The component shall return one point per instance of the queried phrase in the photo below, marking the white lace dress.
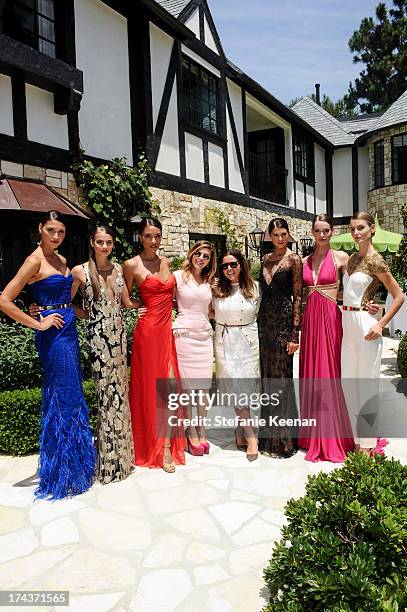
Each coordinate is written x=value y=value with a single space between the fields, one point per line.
x=236 y=337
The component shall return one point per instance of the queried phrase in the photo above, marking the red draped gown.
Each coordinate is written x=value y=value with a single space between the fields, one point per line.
x=154 y=359
x=320 y=371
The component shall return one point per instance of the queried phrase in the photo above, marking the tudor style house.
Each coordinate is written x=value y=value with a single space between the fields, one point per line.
x=111 y=76
x=369 y=160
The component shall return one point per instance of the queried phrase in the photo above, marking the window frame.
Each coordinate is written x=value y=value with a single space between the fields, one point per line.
x=378 y=163
x=401 y=179
x=186 y=107
x=23 y=34
x=306 y=168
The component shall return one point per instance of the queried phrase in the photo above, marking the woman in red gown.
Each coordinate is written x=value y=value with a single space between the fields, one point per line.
x=156 y=444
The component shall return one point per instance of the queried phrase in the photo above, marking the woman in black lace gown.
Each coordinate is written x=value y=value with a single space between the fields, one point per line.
x=279 y=323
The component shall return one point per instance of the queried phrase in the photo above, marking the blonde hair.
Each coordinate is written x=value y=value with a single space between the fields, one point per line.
x=364 y=216
x=209 y=271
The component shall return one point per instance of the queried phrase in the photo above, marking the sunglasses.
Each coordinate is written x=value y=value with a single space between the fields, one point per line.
x=204 y=256
x=232 y=264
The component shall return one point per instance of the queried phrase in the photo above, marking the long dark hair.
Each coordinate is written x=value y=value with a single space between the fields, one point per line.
x=93 y=272
x=278 y=222
x=150 y=221
x=223 y=287
x=53 y=215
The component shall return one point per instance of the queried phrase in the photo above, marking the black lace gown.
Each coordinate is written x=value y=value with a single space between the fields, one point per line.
x=279 y=323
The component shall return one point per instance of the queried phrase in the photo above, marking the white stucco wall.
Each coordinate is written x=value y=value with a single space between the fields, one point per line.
x=6 y=106
x=168 y=157
x=102 y=55
x=43 y=125
x=342 y=182
x=193 y=22
x=160 y=52
x=209 y=39
x=320 y=180
x=310 y=203
x=216 y=165
x=235 y=95
x=363 y=176
x=194 y=158
x=299 y=195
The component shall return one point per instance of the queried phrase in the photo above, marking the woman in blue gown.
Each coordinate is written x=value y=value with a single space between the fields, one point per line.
x=67 y=454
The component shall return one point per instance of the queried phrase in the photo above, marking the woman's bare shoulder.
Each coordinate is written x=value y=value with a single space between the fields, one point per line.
x=133 y=262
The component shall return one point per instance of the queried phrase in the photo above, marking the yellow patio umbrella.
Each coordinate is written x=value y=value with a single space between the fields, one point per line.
x=383 y=241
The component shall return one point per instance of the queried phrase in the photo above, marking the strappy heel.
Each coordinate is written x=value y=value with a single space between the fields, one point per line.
x=168 y=467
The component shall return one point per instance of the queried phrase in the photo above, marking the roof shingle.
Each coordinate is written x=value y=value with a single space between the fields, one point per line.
x=175 y=7
x=360 y=124
x=323 y=122
x=397 y=113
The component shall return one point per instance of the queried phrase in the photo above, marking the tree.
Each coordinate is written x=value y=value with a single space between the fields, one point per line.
x=381 y=45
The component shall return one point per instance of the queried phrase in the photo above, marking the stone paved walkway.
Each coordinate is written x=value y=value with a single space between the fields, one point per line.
x=195 y=541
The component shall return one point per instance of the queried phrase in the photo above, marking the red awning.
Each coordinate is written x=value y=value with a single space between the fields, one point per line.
x=20 y=194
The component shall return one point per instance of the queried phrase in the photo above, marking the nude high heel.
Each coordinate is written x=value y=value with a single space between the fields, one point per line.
x=168 y=467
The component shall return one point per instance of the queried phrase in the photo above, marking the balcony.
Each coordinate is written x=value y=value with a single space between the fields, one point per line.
x=267 y=181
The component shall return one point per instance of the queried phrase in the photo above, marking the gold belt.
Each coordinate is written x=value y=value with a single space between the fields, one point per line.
x=322 y=289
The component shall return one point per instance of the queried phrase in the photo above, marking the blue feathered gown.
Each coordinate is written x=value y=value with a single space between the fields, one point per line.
x=67 y=454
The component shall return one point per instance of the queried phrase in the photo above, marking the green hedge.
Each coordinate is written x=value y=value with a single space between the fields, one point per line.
x=20 y=415
x=402 y=357
x=20 y=367
x=345 y=546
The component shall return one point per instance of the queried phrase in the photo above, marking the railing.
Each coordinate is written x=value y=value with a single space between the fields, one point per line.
x=267 y=181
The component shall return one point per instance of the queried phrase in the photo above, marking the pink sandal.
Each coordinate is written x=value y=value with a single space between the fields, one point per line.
x=379 y=448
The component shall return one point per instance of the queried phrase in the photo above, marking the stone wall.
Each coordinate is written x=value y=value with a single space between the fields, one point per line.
x=61 y=182
x=182 y=214
x=386 y=201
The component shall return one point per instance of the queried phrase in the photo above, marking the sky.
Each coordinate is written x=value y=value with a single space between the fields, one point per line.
x=288 y=45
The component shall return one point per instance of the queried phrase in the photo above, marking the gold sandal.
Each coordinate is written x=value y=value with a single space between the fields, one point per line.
x=168 y=467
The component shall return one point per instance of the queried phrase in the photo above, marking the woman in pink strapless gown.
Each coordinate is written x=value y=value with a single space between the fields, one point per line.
x=320 y=354
x=193 y=334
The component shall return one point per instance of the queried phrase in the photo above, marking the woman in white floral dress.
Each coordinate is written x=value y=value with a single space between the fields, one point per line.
x=236 y=304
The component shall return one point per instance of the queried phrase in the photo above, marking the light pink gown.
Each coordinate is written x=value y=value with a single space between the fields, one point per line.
x=320 y=371
x=193 y=333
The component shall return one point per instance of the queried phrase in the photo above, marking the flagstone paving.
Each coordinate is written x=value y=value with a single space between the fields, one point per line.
x=192 y=541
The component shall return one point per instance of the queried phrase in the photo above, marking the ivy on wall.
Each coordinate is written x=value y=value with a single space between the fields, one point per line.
x=115 y=192
x=218 y=217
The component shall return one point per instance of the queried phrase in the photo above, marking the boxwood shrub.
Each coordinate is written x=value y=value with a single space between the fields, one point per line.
x=345 y=546
x=402 y=357
x=20 y=415
x=20 y=367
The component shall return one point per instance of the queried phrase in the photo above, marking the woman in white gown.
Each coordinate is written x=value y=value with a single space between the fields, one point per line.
x=362 y=341
x=236 y=304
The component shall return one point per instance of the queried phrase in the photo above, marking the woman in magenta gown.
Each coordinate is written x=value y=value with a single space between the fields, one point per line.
x=320 y=352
